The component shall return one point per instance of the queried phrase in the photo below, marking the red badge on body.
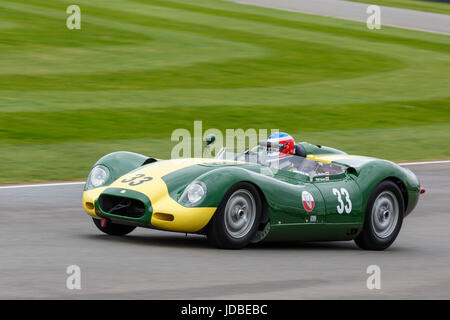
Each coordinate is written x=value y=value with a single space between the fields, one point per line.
x=307 y=201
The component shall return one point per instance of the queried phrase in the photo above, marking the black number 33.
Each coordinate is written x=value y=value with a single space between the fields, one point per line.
x=137 y=179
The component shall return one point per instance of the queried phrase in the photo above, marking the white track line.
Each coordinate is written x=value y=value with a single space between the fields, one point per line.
x=82 y=182
x=423 y=162
x=43 y=185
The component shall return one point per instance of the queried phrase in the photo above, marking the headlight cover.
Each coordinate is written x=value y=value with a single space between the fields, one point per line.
x=99 y=176
x=194 y=193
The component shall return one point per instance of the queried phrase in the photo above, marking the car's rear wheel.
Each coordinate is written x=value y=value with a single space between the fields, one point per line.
x=383 y=219
x=113 y=229
x=236 y=220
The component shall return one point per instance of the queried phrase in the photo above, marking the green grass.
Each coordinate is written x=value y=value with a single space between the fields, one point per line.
x=421 y=5
x=137 y=70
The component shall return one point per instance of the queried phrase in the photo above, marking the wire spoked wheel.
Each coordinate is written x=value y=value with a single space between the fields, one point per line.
x=236 y=220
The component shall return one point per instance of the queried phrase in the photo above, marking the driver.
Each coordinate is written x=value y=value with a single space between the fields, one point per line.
x=287 y=145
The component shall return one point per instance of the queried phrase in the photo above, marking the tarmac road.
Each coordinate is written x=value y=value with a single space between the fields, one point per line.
x=44 y=230
x=403 y=18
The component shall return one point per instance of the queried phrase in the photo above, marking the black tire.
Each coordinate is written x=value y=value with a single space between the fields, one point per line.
x=372 y=237
x=113 y=229
x=220 y=232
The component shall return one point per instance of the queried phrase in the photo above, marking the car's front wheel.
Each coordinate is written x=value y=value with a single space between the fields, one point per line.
x=236 y=220
x=383 y=219
x=113 y=229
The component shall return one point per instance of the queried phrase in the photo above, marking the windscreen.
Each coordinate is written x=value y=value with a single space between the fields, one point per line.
x=292 y=163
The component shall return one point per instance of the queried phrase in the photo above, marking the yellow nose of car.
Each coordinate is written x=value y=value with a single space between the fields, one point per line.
x=165 y=212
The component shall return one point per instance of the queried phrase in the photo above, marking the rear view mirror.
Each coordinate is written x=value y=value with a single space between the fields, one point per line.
x=210 y=138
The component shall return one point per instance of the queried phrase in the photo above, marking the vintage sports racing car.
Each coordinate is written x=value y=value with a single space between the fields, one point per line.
x=315 y=193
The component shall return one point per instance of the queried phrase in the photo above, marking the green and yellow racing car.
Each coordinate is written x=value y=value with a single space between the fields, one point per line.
x=305 y=193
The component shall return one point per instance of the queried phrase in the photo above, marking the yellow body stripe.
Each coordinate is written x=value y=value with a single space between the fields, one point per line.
x=329 y=158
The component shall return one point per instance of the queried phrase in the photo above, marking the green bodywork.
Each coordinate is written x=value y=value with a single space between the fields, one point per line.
x=281 y=191
x=120 y=163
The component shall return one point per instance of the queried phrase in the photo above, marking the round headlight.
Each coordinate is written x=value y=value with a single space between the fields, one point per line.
x=195 y=192
x=98 y=176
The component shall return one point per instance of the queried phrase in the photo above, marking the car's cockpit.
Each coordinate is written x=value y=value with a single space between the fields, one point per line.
x=269 y=156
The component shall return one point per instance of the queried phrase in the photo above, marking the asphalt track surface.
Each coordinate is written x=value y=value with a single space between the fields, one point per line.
x=44 y=230
x=403 y=18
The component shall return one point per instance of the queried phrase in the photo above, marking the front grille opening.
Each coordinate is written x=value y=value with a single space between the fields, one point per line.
x=121 y=206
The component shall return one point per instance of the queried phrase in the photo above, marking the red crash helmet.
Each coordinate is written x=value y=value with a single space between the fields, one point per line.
x=286 y=141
